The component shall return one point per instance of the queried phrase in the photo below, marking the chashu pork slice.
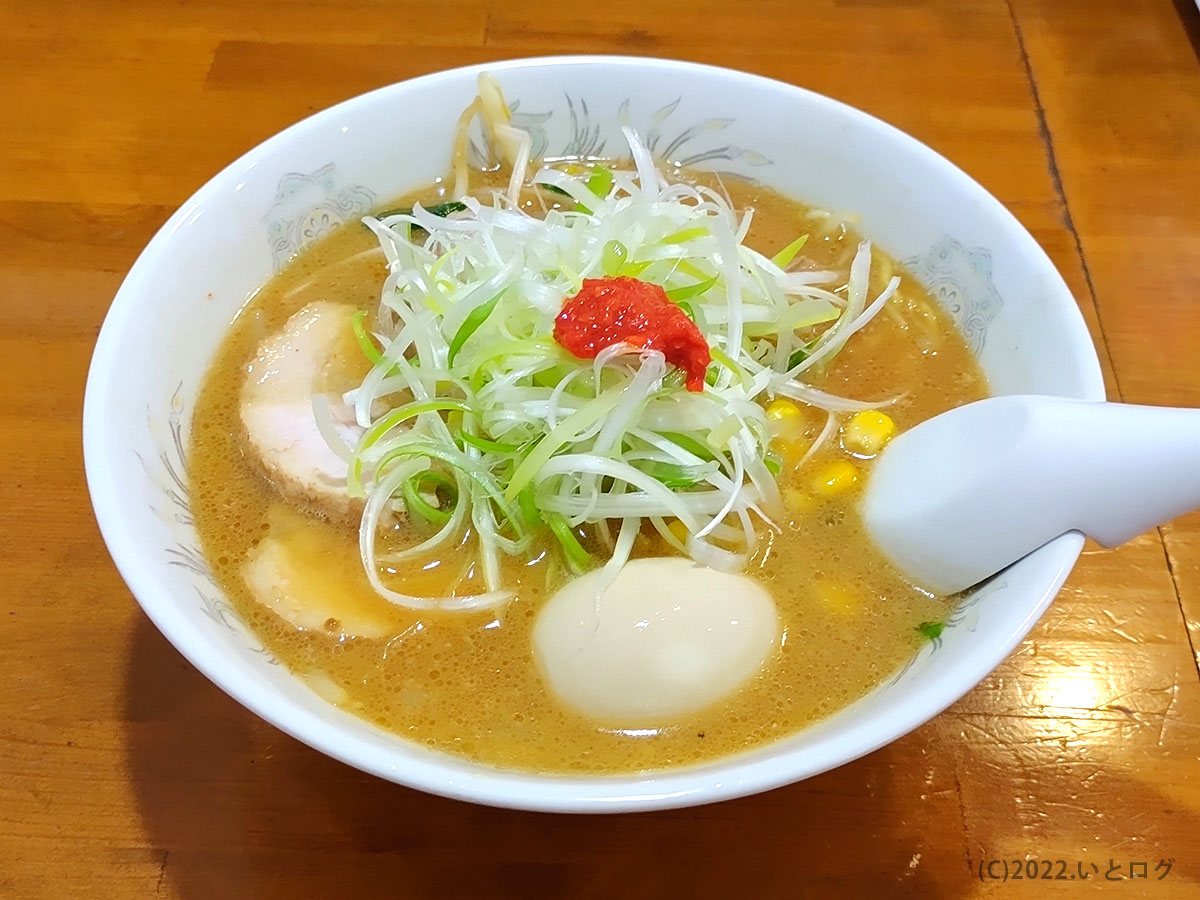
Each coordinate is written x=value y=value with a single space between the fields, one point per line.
x=304 y=571
x=314 y=354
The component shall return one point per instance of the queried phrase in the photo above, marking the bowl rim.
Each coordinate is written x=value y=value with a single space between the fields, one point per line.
x=448 y=776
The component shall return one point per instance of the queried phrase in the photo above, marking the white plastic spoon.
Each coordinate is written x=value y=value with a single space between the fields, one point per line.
x=966 y=493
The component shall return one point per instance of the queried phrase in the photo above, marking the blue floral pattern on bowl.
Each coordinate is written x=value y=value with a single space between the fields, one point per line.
x=679 y=144
x=169 y=474
x=960 y=279
x=309 y=206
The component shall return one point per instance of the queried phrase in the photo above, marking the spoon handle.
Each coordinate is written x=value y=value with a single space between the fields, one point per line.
x=963 y=495
x=1142 y=467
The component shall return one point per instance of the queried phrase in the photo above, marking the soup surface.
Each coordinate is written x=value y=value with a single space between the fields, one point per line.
x=468 y=683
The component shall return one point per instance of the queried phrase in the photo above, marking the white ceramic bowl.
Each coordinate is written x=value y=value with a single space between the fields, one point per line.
x=180 y=296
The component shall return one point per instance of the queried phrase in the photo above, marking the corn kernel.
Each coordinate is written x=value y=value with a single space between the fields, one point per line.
x=867 y=432
x=836 y=478
x=837 y=597
x=781 y=409
x=786 y=421
x=785 y=418
x=798 y=501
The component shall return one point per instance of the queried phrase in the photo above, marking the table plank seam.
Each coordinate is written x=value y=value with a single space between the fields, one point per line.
x=1187 y=632
x=1068 y=220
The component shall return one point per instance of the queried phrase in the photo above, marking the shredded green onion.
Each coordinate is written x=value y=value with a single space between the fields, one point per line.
x=365 y=342
x=614 y=257
x=686 y=234
x=413 y=491
x=600 y=183
x=773 y=462
x=570 y=430
x=725 y=360
x=931 y=630
x=527 y=504
x=441 y=210
x=470 y=325
x=455 y=460
x=476 y=421
x=676 y=476
x=785 y=256
x=635 y=269
x=690 y=444
x=687 y=291
x=487 y=446
x=576 y=556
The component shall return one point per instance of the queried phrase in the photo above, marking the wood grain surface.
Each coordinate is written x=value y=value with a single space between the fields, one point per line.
x=124 y=773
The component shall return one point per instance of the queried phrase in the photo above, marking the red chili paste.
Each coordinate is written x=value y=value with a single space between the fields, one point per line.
x=620 y=309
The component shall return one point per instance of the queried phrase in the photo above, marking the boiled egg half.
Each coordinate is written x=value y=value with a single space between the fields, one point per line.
x=666 y=638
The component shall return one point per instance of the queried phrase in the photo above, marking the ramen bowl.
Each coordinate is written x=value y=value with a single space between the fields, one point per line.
x=173 y=309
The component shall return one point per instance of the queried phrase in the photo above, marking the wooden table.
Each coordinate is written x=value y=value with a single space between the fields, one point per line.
x=124 y=773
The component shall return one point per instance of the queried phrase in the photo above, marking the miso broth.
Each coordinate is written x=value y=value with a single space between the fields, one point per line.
x=467 y=683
